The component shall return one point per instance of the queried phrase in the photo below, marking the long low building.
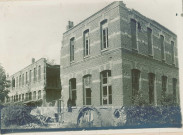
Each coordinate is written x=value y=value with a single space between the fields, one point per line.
x=36 y=85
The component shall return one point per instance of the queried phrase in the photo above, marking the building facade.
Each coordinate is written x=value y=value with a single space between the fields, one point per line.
x=35 y=85
x=115 y=55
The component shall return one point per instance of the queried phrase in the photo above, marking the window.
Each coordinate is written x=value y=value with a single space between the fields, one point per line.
x=149 y=38
x=13 y=82
x=106 y=87
x=72 y=94
x=87 y=90
x=86 y=43
x=30 y=96
x=133 y=34
x=151 y=87
x=174 y=81
x=164 y=85
x=34 y=95
x=162 y=47
x=172 y=48
x=35 y=74
x=135 y=83
x=72 y=49
x=16 y=81
x=26 y=78
x=16 y=97
x=39 y=94
x=30 y=75
x=19 y=97
x=22 y=97
x=104 y=34
x=20 y=80
x=26 y=96
x=39 y=73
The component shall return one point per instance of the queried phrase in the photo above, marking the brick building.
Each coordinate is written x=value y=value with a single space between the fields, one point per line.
x=36 y=84
x=115 y=54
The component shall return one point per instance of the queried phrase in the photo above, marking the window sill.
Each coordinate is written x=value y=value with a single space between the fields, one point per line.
x=87 y=56
x=104 y=50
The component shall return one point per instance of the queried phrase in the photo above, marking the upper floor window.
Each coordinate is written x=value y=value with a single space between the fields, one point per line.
x=16 y=81
x=149 y=38
x=151 y=87
x=106 y=87
x=20 y=80
x=72 y=91
x=87 y=90
x=86 y=43
x=133 y=34
x=26 y=78
x=34 y=74
x=30 y=76
x=39 y=73
x=104 y=34
x=135 y=83
x=164 y=85
x=13 y=82
x=72 y=49
x=162 y=47
x=172 y=48
x=39 y=94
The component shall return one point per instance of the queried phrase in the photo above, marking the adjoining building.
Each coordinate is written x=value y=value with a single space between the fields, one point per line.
x=115 y=55
x=36 y=85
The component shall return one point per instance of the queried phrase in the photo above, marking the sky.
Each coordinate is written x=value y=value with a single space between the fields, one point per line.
x=34 y=28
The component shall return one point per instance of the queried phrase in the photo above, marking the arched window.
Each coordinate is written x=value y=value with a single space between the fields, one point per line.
x=72 y=49
x=86 y=43
x=106 y=87
x=87 y=90
x=104 y=34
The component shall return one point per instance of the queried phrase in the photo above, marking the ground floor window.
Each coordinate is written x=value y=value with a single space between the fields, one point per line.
x=135 y=83
x=72 y=91
x=151 y=87
x=106 y=87
x=87 y=90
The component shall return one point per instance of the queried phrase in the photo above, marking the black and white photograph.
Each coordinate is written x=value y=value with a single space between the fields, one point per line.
x=91 y=67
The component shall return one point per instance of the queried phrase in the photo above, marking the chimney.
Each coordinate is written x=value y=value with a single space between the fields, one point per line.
x=33 y=60
x=70 y=25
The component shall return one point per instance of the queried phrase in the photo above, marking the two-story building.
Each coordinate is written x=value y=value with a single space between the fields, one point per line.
x=115 y=54
x=36 y=84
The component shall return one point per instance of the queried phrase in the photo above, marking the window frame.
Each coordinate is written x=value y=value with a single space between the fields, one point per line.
x=107 y=76
x=72 y=49
x=86 y=37
x=73 y=91
x=87 y=87
x=151 y=77
x=104 y=38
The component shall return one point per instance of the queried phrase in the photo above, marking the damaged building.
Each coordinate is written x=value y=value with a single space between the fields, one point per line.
x=36 y=85
x=115 y=54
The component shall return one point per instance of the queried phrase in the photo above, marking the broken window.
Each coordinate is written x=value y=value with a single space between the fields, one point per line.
x=162 y=47
x=172 y=48
x=151 y=87
x=87 y=90
x=135 y=83
x=133 y=34
x=72 y=95
x=106 y=90
x=174 y=89
x=72 y=49
x=149 y=38
x=164 y=85
x=86 y=43
x=104 y=34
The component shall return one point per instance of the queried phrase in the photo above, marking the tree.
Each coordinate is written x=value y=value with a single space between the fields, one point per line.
x=4 y=84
